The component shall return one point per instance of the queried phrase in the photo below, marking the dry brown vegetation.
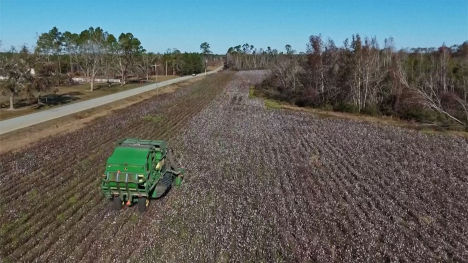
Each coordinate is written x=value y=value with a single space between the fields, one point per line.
x=377 y=120
x=262 y=185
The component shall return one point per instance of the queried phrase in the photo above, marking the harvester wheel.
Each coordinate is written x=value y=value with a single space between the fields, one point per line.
x=143 y=203
x=117 y=203
x=163 y=185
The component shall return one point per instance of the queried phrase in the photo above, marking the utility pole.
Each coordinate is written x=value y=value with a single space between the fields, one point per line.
x=157 y=90
x=166 y=67
x=206 y=61
x=156 y=72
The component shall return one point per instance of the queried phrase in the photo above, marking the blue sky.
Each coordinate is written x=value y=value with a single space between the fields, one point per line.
x=186 y=24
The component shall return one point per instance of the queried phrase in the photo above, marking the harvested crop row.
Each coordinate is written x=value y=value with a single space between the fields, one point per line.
x=78 y=177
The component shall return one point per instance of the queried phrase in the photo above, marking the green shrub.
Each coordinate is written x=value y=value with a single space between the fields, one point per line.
x=327 y=107
x=271 y=104
x=73 y=199
x=153 y=118
x=32 y=195
x=61 y=217
x=190 y=63
x=251 y=92
x=134 y=218
x=346 y=107
x=4 y=229
x=371 y=110
x=421 y=115
x=387 y=110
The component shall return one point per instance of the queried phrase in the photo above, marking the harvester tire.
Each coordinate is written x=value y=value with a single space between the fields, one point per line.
x=117 y=203
x=163 y=185
x=142 y=204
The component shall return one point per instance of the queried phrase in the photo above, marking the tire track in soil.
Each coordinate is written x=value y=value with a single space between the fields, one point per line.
x=177 y=122
x=173 y=131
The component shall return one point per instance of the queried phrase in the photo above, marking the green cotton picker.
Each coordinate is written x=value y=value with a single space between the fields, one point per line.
x=139 y=170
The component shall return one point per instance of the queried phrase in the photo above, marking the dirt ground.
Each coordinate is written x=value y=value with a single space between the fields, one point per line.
x=261 y=185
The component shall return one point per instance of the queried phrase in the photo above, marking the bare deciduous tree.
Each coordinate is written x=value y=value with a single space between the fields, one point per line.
x=128 y=48
x=18 y=70
x=146 y=61
x=92 y=44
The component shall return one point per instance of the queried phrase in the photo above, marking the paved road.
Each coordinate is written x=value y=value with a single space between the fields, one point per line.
x=54 y=113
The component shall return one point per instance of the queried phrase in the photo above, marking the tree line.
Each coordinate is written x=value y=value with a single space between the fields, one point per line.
x=245 y=57
x=423 y=84
x=92 y=53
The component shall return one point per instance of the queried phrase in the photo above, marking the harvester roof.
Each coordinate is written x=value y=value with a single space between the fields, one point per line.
x=143 y=143
x=129 y=155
